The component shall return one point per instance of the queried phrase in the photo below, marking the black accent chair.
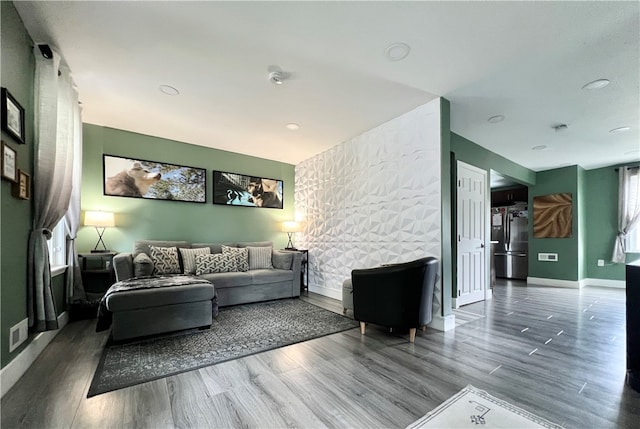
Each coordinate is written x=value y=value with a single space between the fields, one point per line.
x=395 y=296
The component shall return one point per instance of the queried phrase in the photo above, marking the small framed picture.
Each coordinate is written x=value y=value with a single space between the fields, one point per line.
x=12 y=116
x=22 y=189
x=9 y=163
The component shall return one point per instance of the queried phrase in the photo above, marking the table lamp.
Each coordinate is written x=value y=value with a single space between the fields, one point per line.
x=290 y=227
x=99 y=220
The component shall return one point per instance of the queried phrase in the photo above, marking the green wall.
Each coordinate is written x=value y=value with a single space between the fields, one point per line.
x=568 y=266
x=18 y=69
x=173 y=220
x=602 y=224
x=467 y=151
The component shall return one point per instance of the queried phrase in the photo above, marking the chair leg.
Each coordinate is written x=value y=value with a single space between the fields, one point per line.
x=362 y=327
x=412 y=335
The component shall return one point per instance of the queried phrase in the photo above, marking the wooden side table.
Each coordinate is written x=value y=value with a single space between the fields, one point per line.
x=97 y=273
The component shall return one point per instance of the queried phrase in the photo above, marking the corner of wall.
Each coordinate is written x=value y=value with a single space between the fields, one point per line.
x=448 y=274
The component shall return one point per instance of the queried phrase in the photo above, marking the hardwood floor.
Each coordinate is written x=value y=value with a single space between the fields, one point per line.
x=559 y=353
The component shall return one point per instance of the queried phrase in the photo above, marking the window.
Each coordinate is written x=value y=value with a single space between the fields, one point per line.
x=58 y=246
x=633 y=240
x=632 y=195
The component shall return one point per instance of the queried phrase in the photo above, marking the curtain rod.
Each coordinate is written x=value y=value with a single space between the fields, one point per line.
x=635 y=167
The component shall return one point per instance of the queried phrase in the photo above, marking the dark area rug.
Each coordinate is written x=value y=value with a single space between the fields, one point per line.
x=238 y=331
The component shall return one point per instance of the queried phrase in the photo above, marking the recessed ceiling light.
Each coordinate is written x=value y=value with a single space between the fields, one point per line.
x=596 y=84
x=620 y=130
x=397 y=51
x=541 y=147
x=293 y=126
x=169 y=90
x=560 y=127
x=495 y=119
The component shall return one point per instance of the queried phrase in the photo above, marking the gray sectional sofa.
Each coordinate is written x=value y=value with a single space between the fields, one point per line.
x=282 y=281
x=163 y=309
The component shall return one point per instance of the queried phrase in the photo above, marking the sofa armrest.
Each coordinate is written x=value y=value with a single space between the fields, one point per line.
x=296 y=265
x=123 y=266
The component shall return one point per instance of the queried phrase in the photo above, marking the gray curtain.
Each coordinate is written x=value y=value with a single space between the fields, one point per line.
x=75 y=288
x=52 y=181
x=628 y=209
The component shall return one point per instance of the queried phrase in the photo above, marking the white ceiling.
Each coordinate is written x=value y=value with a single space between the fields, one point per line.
x=525 y=60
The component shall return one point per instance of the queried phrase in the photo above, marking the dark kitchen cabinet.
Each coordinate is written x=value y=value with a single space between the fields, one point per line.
x=507 y=197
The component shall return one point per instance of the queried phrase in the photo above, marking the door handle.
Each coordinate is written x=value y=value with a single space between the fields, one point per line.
x=482 y=245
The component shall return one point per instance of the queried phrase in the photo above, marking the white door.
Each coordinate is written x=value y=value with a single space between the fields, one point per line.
x=471 y=227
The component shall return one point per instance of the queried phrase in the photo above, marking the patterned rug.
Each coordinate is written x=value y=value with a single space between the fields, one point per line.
x=471 y=408
x=238 y=331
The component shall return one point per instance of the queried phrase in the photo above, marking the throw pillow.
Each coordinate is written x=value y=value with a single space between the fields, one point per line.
x=259 y=257
x=241 y=255
x=189 y=258
x=282 y=260
x=142 y=265
x=215 y=263
x=165 y=260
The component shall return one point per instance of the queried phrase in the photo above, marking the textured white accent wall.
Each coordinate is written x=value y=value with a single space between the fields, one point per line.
x=372 y=200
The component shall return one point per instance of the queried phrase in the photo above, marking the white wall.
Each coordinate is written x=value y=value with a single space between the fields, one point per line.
x=372 y=200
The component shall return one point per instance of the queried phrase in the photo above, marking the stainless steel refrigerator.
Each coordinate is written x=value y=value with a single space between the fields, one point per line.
x=510 y=235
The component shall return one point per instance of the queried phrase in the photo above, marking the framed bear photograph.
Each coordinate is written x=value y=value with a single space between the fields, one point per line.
x=140 y=178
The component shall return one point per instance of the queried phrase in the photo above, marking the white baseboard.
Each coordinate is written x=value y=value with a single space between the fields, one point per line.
x=331 y=293
x=540 y=281
x=443 y=323
x=576 y=284
x=15 y=369
x=617 y=284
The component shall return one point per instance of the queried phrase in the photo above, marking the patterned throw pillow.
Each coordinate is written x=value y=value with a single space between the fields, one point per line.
x=215 y=263
x=189 y=258
x=241 y=255
x=165 y=260
x=259 y=257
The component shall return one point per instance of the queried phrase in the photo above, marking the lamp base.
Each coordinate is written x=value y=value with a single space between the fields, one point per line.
x=101 y=251
x=290 y=248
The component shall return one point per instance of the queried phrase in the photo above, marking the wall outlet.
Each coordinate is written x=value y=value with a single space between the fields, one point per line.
x=601 y=262
x=548 y=257
x=18 y=333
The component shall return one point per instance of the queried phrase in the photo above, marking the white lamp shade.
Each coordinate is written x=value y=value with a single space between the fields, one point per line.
x=99 y=219
x=291 y=226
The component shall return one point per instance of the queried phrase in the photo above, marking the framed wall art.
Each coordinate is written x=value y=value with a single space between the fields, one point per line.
x=139 y=178
x=22 y=189
x=553 y=215
x=9 y=163
x=249 y=191
x=12 y=115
